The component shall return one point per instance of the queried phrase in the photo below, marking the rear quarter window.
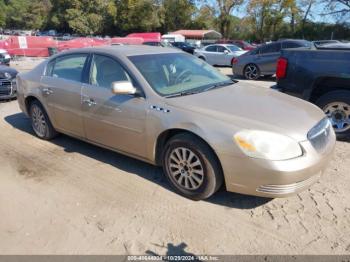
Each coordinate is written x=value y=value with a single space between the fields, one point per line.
x=49 y=67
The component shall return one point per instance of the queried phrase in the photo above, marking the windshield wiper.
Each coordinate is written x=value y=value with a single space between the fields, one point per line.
x=214 y=86
x=217 y=85
x=184 y=93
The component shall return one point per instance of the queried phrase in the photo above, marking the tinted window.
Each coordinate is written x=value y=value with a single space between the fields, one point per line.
x=105 y=70
x=212 y=48
x=271 y=48
x=290 y=45
x=69 y=67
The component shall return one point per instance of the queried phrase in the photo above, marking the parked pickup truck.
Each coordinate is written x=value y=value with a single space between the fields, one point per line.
x=321 y=77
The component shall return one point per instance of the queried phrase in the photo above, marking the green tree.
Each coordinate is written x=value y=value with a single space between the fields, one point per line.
x=178 y=14
x=25 y=14
x=137 y=16
x=3 y=14
x=225 y=9
x=83 y=17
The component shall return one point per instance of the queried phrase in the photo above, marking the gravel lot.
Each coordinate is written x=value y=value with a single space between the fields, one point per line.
x=69 y=197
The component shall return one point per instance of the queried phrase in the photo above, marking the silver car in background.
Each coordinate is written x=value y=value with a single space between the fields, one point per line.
x=219 y=54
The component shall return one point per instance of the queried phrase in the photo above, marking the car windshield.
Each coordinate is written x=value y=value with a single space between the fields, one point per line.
x=233 y=48
x=178 y=74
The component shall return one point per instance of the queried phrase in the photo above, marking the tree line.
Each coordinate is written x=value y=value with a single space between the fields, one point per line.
x=260 y=20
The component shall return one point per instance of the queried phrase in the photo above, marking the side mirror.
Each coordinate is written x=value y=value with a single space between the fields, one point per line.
x=226 y=52
x=123 y=88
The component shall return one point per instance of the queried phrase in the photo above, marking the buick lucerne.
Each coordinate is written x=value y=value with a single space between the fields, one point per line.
x=172 y=109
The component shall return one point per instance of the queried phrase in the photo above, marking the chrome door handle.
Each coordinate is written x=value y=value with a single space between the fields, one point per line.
x=89 y=102
x=47 y=91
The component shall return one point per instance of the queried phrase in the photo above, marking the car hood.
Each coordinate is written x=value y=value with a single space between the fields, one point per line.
x=5 y=69
x=247 y=107
x=240 y=52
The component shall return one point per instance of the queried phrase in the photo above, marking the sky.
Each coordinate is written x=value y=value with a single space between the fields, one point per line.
x=317 y=10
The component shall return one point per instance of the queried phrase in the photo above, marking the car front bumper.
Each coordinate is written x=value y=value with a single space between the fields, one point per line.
x=272 y=179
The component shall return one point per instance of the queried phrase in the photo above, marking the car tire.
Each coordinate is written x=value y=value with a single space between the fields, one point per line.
x=336 y=105
x=40 y=121
x=251 y=72
x=189 y=157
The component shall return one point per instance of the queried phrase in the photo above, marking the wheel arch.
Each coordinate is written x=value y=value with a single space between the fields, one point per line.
x=166 y=135
x=29 y=100
x=202 y=57
x=324 y=85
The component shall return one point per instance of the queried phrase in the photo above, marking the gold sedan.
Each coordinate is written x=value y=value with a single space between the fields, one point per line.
x=172 y=109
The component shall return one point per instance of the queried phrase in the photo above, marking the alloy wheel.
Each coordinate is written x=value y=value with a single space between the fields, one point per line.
x=38 y=121
x=251 y=72
x=186 y=168
x=339 y=115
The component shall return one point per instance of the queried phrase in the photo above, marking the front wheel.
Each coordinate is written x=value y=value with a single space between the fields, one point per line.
x=336 y=105
x=191 y=167
x=251 y=72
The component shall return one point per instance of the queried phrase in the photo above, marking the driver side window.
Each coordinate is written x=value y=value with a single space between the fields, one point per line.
x=221 y=49
x=105 y=70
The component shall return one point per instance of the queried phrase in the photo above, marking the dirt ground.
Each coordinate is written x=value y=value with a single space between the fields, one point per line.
x=68 y=197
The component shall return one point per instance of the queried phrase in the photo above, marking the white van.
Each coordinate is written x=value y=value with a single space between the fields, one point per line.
x=4 y=57
x=173 y=38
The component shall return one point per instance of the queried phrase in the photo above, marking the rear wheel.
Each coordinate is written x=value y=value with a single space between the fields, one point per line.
x=336 y=106
x=41 y=123
x=251 y=72
x=191 y=167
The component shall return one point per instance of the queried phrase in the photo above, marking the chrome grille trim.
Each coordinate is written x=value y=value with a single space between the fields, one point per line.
x=6 y=87
x=289 y=188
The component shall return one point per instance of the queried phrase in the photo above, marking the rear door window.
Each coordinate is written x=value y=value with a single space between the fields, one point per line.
x=271 y=48
x=69 y=67
x=212 y=48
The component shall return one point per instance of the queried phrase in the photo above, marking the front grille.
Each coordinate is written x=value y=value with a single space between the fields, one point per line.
x=320 y=134
x=5 y=87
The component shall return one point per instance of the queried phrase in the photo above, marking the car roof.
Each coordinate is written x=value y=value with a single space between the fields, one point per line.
x=219 y=45
x=127 y=50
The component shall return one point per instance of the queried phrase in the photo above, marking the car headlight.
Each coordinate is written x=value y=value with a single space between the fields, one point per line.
x=7 y=75
x=267 y=145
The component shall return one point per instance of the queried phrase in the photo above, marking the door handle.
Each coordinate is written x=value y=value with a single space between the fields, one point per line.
x=47 y=91
x=89 y=102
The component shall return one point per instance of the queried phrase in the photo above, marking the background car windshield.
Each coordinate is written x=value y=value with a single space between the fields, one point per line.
x=174 y=73
x=233 y=48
